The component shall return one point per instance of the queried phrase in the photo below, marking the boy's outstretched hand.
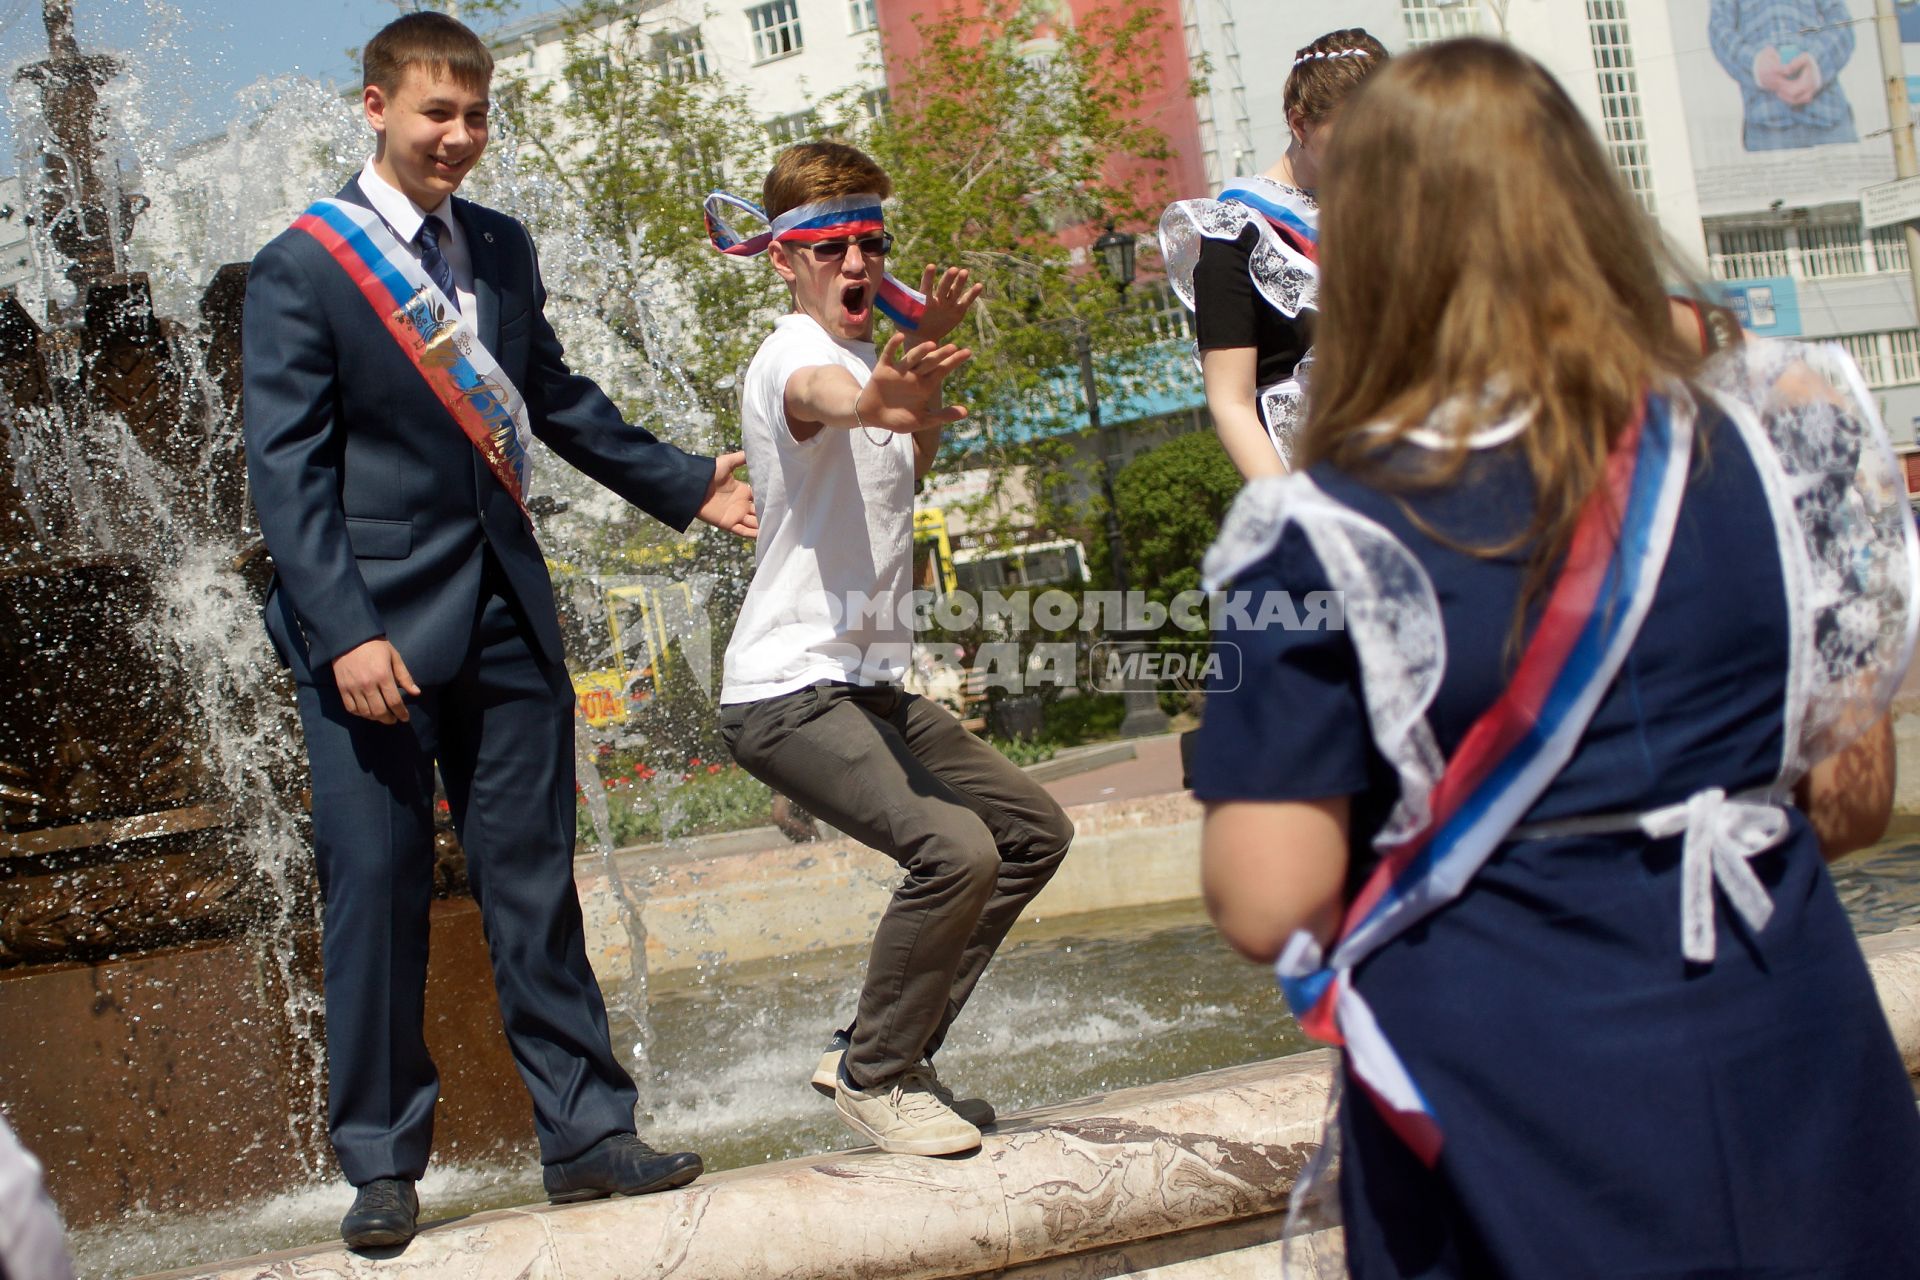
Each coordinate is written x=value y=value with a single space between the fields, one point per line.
x=903 y=394
x=948 y=301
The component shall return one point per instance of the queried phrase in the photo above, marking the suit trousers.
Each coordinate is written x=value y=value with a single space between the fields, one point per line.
x=502 y=732
x=977 y=837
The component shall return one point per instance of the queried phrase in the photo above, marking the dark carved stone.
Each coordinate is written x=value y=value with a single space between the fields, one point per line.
x=76 y=210
x=97 y=736
x=104 y=911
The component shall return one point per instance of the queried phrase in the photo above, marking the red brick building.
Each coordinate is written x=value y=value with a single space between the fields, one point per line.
x=1169 y=105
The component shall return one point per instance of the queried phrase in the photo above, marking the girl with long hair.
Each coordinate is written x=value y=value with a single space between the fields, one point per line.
x=1246 y=264
x=1538 y=834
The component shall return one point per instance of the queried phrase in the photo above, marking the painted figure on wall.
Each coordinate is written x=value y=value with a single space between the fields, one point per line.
x=1786 y=56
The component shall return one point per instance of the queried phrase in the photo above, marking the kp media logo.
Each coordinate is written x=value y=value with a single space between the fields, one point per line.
x=1120 y=666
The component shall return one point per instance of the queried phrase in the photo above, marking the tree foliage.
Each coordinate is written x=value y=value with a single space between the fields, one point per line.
x=1013 y=140
x=637 y=141
x=1172 y=500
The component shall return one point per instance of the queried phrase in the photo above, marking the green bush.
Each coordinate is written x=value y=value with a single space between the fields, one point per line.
x=645 y=805
x=1172 y=500
x=1091 y=717
x=1024 y=751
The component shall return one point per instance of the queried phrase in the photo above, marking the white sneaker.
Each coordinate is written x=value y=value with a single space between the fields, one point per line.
x=826 y=1073
x=977 y=1112
x=904 y=1116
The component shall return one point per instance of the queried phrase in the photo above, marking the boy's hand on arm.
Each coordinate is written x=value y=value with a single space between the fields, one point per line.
x=729 y=504
x=948 y=301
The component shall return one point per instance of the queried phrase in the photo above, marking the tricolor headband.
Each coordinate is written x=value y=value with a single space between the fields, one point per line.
x=841 y=218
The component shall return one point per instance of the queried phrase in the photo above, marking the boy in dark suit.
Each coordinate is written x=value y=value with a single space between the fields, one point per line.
x=397 y=362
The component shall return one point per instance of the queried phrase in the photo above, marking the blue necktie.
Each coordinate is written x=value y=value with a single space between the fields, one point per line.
x=435 y=261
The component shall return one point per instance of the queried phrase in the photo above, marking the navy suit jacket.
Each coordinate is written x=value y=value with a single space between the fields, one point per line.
x=376 y=507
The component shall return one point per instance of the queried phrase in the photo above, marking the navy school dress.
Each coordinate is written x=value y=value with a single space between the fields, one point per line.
x=1609 y=1109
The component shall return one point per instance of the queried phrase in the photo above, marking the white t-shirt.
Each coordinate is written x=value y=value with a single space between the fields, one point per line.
x=830 y=593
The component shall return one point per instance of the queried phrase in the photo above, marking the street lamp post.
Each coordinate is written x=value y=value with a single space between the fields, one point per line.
x=1115 y=252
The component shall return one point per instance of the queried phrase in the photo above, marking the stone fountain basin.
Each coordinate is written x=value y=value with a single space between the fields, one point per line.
x=1183 y=1180
x=161 y=1083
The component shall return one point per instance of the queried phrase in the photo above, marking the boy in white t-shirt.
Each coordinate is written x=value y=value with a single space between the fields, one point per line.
x=811 y=703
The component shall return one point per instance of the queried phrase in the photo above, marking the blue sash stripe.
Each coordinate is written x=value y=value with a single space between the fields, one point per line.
x=1624 y=576
x=1275 y=212
x=349 y=231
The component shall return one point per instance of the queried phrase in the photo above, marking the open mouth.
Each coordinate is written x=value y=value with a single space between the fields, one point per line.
x=855 y=298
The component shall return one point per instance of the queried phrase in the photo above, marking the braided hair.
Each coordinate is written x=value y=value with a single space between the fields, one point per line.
x=1328 y=69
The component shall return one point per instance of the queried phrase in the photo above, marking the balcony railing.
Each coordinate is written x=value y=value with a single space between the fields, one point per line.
x=1807 y=251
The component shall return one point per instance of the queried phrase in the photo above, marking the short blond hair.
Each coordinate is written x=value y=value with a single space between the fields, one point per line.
x=810 y=171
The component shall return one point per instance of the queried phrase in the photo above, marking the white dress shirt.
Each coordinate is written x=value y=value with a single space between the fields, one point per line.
x=403 y=217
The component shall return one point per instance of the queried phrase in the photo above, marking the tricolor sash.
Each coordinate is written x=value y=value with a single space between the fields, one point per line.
x=841 y=218
x=436 y=339
x=1284 y=265
x=1294 y=219
x=1508 y=757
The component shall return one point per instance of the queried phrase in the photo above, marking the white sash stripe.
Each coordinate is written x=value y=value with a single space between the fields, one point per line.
x=465 y=339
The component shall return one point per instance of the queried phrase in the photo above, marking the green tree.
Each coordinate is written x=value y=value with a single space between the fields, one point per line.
x=1013 y=139
x=1172 y=500
x=636 y=133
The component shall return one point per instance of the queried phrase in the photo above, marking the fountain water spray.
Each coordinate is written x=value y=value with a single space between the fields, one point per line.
x=151 y=777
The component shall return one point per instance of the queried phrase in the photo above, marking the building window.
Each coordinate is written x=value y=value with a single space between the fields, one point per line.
x=1886 y=359
x=1865 y=350
x=682 y=55
x=1625 y=128
x=873 y=104
x=1430 y=20
x=798 y=127
x=1804 y=250
x=776 y=29
x=860 y=16
x=1166 y=317
x=702 y=156
x=1905 y=348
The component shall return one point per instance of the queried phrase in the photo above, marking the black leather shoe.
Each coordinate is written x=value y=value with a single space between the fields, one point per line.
x=618 y=1165
x=383 y=1214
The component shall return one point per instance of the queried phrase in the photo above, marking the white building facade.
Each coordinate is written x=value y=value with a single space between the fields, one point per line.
x=1757 y=194
x=786 y=55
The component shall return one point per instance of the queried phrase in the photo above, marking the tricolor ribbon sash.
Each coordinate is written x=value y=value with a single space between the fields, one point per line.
x=841 y=218
x=436 y=338
x=1296 y=222
x=1508 y=757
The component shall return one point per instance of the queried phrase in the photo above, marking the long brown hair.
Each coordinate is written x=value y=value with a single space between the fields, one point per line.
x=1477 y=248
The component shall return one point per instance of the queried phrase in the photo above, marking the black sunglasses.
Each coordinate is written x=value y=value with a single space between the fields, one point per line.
x=870 y=247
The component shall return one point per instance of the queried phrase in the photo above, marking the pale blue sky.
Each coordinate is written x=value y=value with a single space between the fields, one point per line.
x=199 y=53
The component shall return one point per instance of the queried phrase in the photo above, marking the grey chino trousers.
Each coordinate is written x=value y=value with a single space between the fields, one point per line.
x=977 y=837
